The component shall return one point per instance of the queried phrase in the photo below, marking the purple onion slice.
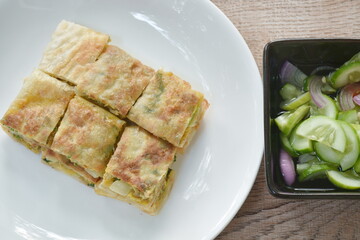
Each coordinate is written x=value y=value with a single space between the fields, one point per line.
x=317 y=97
x=291 y=74
x=287 y=167
x=346 y=96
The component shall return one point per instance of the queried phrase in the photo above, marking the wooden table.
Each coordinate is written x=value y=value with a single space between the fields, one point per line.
x=262 y=216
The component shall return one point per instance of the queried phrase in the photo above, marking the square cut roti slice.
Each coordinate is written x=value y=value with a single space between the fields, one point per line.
x=36 y=111
x=87 y=136
x=71 y=47
x=115 y=80
x=169 y=109
x=139 y=171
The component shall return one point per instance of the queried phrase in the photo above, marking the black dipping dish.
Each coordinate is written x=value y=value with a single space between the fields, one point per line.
x=307 y=55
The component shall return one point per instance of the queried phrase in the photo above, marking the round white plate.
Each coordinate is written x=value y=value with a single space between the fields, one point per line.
x=194 y=40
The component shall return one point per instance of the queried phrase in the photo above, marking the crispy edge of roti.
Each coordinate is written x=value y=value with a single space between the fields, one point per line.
x=36 y=111
x=70 y=48
x=149 y=207
x=62 y=164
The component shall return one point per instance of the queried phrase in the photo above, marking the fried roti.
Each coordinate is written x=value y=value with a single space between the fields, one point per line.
x=139 y=171
x=87 y=136
x=71 y=47
x=35 y=113
x=115 y=80
x=169 y=109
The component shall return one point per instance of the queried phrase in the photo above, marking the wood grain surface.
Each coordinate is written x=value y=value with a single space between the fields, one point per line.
x=263 y=216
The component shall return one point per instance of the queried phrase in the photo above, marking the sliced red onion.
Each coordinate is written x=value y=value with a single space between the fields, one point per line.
x=322 y=70
x=287 y=167
x=356 y=99
x=346 y=96
x=291 y=74
x=315 y=91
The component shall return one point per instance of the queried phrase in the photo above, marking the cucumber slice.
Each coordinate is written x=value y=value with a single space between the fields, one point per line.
x=351 y=153
x=330 y=109
x=300 y=144
x=346 y=74
x=288 y=120
x=355 y=58
x=301 y=167
x=307 y=157
x=356 y=127
x=349 y=116
x=357 y=166
x=326 y=88
x=348 y=158
x=327 y=153
x=346 y=180
x=289 y=91
x=324 y=130
x=313 y=170
x=287 y=146
x=296 y=102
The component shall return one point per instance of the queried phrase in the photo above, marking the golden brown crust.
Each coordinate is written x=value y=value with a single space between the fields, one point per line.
x=141 y=160
x=167 y=107
x=115 y=80
x=87 y=135
x=29 y=143
x=150 y=206
x=71 y=47
x=38 y=107
x=155 y=207
x=142 y=163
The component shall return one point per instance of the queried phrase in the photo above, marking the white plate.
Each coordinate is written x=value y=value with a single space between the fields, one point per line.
x=191 y=38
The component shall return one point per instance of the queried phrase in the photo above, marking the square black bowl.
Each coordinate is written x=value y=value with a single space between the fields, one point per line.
x=306 y=54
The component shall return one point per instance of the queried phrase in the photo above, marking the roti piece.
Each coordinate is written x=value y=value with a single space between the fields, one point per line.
x=71 y=47
x=170 y=109
x=115 y=80
x=35 y=113
x=63 y=164
x=139 y=171
x=87 y=136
